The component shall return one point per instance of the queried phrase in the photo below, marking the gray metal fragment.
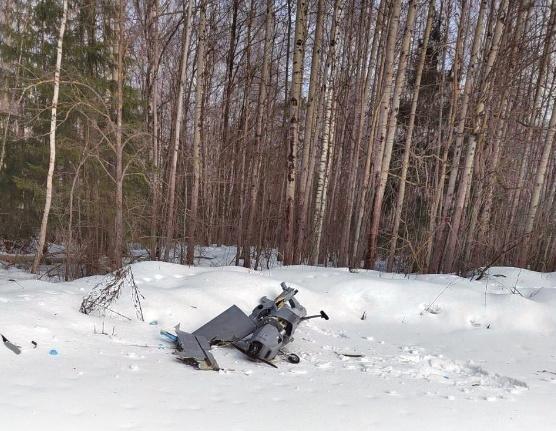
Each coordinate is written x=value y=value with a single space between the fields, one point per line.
x=231 y=325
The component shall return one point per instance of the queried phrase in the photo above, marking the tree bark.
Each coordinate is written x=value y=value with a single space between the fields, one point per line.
x=479 y=120
x=532 y=118
x=327 y=138
x=177 y=129
x=361 y=103
x=52 y=137
x=307 y=137
x=293 y=136
x=373 y=126
x=390 y=117
x=259 y=137
x=153 y=33
x=119 y=147
x=409 y=136
x=197 y=135
x=540 y=175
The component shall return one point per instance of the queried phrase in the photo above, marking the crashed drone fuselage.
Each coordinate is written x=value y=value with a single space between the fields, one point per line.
x=260 y=336
x=275 y=321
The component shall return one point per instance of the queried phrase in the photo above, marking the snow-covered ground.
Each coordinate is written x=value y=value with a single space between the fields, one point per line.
x=440 y=353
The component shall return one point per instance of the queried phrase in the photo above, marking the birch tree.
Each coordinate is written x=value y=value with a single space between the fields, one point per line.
x=293 y=135
x=52 y=139
x=308 y=135
x=327 y=138
x=177 y=131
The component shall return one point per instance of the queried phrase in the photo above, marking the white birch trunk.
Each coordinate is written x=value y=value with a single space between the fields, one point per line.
x=52 y=136
x=327 y=139
x=293 y=137
x=308 y=135
x=177 y=131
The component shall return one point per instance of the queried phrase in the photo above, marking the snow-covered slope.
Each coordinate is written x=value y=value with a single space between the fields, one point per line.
x=440 y=352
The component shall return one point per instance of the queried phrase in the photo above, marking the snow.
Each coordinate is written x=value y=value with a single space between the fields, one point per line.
x=439 y=352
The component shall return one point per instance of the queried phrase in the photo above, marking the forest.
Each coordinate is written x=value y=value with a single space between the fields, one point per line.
x=415 y=135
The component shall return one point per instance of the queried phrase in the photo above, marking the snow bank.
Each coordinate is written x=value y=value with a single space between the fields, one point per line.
x=439 y=352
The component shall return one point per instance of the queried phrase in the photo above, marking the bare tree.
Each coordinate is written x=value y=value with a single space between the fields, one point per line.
x=409 y=137
x=541 y=173
x=198 y=130
x=52 y=137
x=177 y=129
x=259 y=137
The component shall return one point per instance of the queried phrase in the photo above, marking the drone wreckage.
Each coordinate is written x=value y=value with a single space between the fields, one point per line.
x=260 y=336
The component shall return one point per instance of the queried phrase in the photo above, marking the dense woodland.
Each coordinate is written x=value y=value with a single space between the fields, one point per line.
x=337 y=132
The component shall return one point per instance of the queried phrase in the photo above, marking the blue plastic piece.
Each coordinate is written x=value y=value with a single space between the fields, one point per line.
x=53 y=352
x=171 y=337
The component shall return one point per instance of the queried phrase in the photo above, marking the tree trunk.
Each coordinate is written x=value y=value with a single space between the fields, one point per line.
x=307 y=137
x=327 y=138
x=229 y=73
x=448 y=200
x=362 y=99
x=409 y=136
x=119 y=241
x=259 y=138
x=153 y=33
x=373 y=125
x=52 y=136
x=539 y=177
x=243 y=145
x=532 y=118
x=479 y=121
x=170 y=219
x=390 y=117
x=293 y=137
x=197 y=135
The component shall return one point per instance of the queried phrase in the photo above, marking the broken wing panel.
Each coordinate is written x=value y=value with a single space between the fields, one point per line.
x=193 y=350
x=231 y=325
